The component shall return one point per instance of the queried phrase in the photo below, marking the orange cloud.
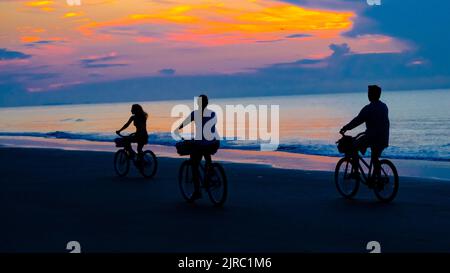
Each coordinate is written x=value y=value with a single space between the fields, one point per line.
x=42 y=5
x=72 y=14
x=39 y=3
x=39 y=30
x=29 y=39
x=145 y=39
x=234 y=21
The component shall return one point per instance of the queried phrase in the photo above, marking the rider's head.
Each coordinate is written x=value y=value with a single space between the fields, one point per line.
x=202 y=101
x=374 y=93
x=137 y=110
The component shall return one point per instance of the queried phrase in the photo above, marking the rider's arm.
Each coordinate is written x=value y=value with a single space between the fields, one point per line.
x=188 y=120
x=126 y=124
x=358 y=120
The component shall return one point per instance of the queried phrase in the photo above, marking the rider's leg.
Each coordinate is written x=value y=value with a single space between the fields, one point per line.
x=128 y=147
x=208 y=166
x=359 y=145
x=196 y=158
x=362 y=143
x=355 y=162
x=375 y=158
x=140 y=147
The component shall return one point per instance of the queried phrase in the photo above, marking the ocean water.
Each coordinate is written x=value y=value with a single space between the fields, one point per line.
x=309 y=124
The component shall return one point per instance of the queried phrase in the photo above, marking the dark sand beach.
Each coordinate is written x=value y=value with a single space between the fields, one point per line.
x=50 y=197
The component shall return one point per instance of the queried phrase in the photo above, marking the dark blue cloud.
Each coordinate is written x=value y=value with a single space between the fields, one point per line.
x=99 y=62
x=42 y=42
x=340 y=49
x=94 y=65
x=167 y=71
x=270 y=41
x=341 y=71
x=299 y=35
x=95 y=75
x=6 y=54
x=26 y=75
x=424 y=24
x=330 y=4
x=347 y=71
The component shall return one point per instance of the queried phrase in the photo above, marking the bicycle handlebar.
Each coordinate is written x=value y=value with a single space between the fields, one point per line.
x=358 y=135
x=119 y=134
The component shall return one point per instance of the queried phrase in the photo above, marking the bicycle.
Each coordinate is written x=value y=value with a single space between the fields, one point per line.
x=347 y=177
x=212 y=179
x=147 y=165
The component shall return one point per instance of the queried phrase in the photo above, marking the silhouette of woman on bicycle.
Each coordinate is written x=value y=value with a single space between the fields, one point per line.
x=139 y=120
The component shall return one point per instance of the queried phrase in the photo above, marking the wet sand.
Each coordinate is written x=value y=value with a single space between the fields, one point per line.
x=49 y=197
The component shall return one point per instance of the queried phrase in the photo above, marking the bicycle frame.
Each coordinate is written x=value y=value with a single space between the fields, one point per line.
x=368 y=166
x=202 y=172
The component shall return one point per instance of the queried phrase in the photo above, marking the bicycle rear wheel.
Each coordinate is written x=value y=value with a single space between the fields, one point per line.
x=217 y=185
x=149 y=164
x=347 y=183
x=387 y=182
x=121 y=163
x=186 y=180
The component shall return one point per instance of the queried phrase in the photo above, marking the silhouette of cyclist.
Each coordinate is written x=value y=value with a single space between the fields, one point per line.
x=139 y=120
x=376 y=136
x=205 y=140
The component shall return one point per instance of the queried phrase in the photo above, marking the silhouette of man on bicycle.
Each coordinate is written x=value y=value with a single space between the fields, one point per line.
x=206 y=140
x=376 y=117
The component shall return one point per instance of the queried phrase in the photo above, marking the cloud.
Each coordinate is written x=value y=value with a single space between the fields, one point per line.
x=43 y=42
x=6 y=54
x=22 y=76
x=270 y=41
x=167 y=71
x=344 y=70
x=101 y=61
x=42 y=5
x=339 y=49
x=231 y=22
x=298 y=35
x=423 y=24
x=95 y=75
x=103 y=65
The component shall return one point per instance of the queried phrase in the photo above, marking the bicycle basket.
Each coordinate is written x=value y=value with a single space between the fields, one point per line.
x=120 y=142
x=212 y=147
x=188 y=147
x=345 y=145
x=185 y=147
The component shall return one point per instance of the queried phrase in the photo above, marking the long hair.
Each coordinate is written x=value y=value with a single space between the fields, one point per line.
x=138 y=111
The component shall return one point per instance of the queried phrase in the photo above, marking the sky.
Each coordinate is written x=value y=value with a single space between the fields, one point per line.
x=76 y=51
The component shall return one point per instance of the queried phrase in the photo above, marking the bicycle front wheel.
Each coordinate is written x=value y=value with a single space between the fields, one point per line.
x=217 y=185
x=121 y=163
x=346 y=180
x=186 y=180
x=149 y=164
x=387 y=181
